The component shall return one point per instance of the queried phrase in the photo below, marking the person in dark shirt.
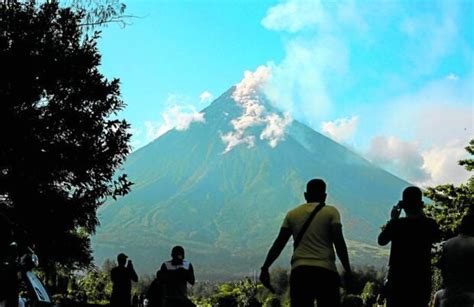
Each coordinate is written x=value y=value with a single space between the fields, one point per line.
x=177 y=273
x=122 y=277
x=457 y=268
x=156 y=291
x=409 y=275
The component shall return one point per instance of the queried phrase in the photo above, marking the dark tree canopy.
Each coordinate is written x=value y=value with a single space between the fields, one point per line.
x=60 y=141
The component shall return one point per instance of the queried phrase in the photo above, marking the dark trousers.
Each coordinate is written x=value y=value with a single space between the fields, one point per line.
x=408 y=289
x=309 y=283
x=408 y=299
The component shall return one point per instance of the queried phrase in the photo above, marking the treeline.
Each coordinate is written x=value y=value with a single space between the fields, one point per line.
x=249 y=293
x=94 y=286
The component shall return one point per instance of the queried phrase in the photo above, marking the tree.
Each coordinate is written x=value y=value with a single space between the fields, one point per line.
x=96 y=285
x=99 y=13
x=451 y=203
x=60 y=141
x=108 y=265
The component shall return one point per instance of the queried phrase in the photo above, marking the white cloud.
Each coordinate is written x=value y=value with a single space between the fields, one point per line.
x=249 y=88
x=316 y=56
x=177 y=117
x=442 y=163
x=341 y=129
x=294 y=16
x=234 y=138
x=400 y=157
x=438 y=119
x=452 y=77
x=155 y=129
x=424 y=167
x=300 y=83
x=247 y=95
x=274 y=131
x=205 y=97
x=436 y=114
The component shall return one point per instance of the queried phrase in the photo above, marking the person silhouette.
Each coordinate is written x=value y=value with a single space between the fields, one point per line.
x=409 y=273
x=9 y=283
x=176 y=274
x=457 y=268
x=122 y=277
x=156 y=291
x=316 y=229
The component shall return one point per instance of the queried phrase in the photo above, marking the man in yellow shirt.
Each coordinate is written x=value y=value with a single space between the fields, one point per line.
x=313 y=264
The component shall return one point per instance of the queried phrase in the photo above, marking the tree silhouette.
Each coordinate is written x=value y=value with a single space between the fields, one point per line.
x=60 y=141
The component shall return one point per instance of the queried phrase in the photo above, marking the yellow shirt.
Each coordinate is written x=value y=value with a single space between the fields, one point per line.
x=316 y=247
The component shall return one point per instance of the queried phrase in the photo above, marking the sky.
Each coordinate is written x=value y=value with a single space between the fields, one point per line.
x=391 y=80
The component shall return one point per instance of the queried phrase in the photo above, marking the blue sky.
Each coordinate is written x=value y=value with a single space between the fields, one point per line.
x=392 y=80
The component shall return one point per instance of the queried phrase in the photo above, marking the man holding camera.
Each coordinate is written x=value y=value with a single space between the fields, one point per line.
x=409 y=274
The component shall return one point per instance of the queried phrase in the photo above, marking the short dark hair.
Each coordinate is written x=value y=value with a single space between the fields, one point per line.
x=413 y=197
x=316 y=186
x=177 y=250
x=121 y=258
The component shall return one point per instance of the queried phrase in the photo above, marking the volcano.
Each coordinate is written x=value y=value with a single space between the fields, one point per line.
x=222 y=187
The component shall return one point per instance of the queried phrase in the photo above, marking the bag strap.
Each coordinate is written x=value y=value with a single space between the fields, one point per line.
x=306 y=225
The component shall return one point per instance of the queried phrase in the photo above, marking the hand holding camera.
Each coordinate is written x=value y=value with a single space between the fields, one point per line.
x=396 y=210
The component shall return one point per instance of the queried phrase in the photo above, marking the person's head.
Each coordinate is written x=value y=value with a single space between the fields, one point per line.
x=412 y=200
x=177 y=253
x=315 y=191
x=122 y=259
x=467 y=225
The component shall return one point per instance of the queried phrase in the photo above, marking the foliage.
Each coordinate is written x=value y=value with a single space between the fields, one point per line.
x=280 y=280
x=361 y=276
x=100 y=13
x=108 y=265
x=367 y=280
x=96 y=286
x=60 y=143
x=369 y=293
x=451 y=203
x=243 y=293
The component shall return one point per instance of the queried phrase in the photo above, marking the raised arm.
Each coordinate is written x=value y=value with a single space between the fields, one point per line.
x=131 y=271
x=386 y=235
